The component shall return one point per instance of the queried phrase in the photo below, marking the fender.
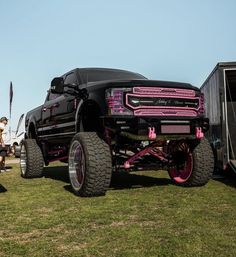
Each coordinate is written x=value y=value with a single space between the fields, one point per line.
x=80 y=109
x=31 y=121
x=77 y=115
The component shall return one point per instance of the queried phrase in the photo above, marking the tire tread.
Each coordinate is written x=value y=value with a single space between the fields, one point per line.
x=203 y=164
x=98 y=164
x=35 y=162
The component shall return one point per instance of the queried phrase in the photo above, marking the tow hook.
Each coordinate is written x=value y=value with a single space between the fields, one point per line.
x=151 y=133
x=199 y=134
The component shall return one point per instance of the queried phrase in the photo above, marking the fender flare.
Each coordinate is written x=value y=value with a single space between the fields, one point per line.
x=79 y=110
x=31 y=122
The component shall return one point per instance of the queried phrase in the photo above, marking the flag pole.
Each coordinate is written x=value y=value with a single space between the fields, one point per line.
x=10 y=106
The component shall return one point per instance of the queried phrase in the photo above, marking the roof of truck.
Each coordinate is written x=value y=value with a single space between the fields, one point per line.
x=129 y=76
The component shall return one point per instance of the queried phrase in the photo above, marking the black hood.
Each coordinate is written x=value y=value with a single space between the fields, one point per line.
x=136 y=83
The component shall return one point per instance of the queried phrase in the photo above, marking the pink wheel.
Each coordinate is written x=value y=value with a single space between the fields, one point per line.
x=182 y=168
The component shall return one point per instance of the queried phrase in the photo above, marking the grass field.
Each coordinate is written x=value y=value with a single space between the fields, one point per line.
x=142 y=214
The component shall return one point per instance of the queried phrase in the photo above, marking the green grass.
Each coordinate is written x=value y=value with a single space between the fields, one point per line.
x=142 y=214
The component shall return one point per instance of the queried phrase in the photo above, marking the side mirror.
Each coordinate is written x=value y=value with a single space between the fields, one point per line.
x=57 y=86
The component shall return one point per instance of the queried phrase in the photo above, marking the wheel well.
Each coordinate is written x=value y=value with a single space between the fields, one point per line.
x=32 y=131
x=89 y=117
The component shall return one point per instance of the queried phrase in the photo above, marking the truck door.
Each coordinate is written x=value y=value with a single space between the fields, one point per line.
x=60 y=112
x=48 y=122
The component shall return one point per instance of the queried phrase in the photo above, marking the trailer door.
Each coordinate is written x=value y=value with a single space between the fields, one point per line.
x=230 y=111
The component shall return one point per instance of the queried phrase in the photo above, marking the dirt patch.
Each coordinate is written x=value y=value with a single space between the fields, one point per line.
x=12 y=161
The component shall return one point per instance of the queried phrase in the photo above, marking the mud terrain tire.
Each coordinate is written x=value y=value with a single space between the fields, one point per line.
x=198 y=167
x=90 y=166
x=31 y=159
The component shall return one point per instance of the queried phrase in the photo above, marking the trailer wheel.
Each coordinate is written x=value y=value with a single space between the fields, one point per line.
x=193 y=165
x=31 y=159
x=90 y=165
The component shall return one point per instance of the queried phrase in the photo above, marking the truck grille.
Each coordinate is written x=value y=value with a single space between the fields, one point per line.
x=148 y=101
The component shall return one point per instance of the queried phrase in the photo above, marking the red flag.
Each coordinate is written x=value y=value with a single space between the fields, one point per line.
x=11 y=96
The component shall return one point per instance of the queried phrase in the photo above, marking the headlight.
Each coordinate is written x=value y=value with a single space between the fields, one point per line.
x=115 y=101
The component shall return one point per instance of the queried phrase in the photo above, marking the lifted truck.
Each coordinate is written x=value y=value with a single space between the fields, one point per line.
x=103 y=120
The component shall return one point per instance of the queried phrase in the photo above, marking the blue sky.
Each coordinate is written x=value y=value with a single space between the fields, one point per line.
x=178 y=40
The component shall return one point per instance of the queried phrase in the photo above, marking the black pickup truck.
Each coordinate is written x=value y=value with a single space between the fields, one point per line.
x=105 y=120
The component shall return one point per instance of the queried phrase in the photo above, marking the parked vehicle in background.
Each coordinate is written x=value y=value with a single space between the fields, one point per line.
x=102 y=120
x=16 y=141
x=18 y=136
x=220 y=104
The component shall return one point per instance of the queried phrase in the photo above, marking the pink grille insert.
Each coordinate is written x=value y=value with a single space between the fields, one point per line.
x=159 y=91
x=164 y=110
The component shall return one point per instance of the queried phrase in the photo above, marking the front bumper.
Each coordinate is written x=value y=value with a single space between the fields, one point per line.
x=140 y=126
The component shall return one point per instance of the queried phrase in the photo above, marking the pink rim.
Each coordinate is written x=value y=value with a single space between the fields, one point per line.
x=183 y=173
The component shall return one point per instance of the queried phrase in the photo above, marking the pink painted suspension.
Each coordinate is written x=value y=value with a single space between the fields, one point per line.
x=60 y=155
x=153 y=150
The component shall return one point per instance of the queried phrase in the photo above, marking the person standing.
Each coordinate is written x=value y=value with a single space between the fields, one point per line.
x=3 y=149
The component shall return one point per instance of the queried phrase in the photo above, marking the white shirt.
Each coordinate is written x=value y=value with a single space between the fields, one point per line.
x=4 y=132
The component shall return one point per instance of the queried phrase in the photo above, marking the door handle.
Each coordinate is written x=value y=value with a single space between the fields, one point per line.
x=51 y=107
x=56 y=105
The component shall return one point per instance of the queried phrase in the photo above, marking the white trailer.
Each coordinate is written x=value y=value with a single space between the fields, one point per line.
x=220 y=105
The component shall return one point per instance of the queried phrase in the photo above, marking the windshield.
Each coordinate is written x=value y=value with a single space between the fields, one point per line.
x=93 y=74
